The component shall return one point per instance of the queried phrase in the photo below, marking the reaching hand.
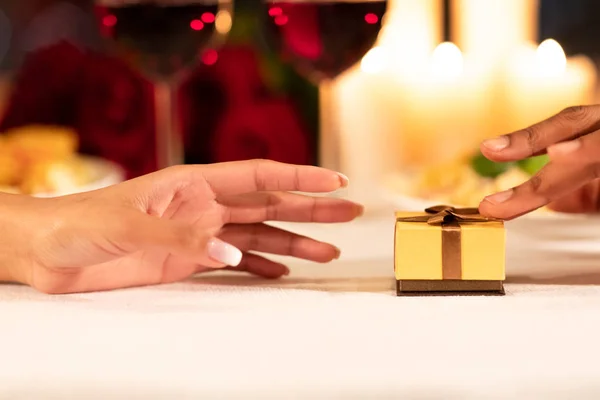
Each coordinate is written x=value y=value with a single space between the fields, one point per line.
x=569 y=182
x=169 y=225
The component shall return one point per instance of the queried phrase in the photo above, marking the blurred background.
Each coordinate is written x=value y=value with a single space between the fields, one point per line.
x=396 y=94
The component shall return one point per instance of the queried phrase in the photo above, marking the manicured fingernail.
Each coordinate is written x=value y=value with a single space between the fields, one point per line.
x=498 y=143
x=338 y=253
x=360 y=210
x=344 y=179
x=499 y=197
x=564 y=148
x=224 y=253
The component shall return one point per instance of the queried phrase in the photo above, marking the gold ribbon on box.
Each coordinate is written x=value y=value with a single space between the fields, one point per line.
x=449 y=218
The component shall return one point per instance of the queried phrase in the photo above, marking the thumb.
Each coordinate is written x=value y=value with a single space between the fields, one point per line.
x=183 y=240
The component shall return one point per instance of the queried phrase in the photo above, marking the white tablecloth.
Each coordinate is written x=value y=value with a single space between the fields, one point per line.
x=334 y=331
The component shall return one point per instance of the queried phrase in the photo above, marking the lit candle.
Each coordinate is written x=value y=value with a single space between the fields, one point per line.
x=412 y=30
x=363 y=124
x=541 y=82
x=442 y=110
x=491 y=29
x=368 y=96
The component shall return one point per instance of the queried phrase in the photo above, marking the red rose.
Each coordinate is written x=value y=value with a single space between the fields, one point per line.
x=115 y=115
x=201 y=103
x=269 y=129
x=46 y=87
x=229 y=115
x=210 y=90
x=108 y=104
x=238 y=71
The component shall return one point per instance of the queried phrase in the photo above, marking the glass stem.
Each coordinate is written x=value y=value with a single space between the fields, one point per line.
x=169 y=139
x=329 y=140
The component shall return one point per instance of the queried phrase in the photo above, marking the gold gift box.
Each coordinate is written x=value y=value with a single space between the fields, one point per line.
x=447 y=250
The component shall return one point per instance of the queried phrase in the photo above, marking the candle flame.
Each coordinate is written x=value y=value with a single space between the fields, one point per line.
x=374 y=61
x=551 y=58
x=447 y=61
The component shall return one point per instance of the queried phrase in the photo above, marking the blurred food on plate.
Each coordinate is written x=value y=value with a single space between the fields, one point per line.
x=37 y=159
x=465 y=181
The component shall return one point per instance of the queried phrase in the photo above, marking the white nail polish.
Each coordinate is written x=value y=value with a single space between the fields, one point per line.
x=224 y=253
x=344 y=179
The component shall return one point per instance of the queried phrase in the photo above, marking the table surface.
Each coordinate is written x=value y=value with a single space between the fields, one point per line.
x=326 y=331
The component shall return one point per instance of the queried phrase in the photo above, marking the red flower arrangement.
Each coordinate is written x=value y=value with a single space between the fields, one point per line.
x=107 y=103
x=227 y=113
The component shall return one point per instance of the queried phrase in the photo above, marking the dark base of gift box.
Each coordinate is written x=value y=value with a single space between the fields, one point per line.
x=449 y=288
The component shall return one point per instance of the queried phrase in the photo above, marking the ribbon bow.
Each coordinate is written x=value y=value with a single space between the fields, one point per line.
x=449 y=218
x=443 y=214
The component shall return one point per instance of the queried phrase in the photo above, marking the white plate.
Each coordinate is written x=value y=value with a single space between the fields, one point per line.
x=104 y=173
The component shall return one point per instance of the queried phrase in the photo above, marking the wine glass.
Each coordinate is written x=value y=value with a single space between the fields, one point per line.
x=322 y=39
x=163 y=39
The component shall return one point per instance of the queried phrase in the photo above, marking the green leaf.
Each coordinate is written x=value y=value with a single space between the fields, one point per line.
x=488 y=168
x=533 y=164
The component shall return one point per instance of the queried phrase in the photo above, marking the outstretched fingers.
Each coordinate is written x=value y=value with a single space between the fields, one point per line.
x=291 y=207
x=570 y=123
x=263 y=175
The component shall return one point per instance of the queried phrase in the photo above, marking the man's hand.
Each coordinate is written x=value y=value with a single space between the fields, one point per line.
x=568 y=183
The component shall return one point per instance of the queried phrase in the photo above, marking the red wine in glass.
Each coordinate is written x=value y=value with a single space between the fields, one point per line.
x=162 y=39
x=322 y=39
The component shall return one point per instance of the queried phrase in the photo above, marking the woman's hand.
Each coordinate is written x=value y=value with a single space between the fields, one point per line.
x=569 y=182
x=166 y=226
